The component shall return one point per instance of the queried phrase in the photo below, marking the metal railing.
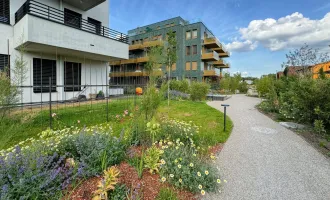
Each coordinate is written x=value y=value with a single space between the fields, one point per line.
x=52 y=14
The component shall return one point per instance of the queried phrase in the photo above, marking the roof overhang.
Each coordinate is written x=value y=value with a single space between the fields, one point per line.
x=84 y=4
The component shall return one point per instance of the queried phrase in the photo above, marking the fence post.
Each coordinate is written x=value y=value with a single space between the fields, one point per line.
x=50 y=102
x=107 y=92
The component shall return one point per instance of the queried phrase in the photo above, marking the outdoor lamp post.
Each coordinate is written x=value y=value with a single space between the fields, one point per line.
x=224 y=120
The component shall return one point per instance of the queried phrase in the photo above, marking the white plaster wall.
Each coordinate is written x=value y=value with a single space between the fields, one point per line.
x=92 y=73
x=6 y=34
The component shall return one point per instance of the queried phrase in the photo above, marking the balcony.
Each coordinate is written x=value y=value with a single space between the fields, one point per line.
x=219 y=63
x=134 y=74
x=146 y=45
x=212 y=42
x=224 y=55
x=211 y=56
x=49 y=30
x=221 y=49
x=84 y=5
x=131 y=61
x=210 y=73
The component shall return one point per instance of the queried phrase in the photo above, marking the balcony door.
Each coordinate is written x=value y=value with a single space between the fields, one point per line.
x=72 y=18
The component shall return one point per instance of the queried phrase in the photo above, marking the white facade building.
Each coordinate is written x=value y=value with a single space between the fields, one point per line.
x=67 y=40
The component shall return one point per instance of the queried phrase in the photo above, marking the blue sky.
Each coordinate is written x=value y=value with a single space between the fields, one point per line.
x=258 y=33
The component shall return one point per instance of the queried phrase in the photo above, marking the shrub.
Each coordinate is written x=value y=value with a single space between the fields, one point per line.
x=198 y=91
x=182 y=168
x=180 y=85
x=151 y=159
x=31 y=174
x=166 y=194
x=150 y=101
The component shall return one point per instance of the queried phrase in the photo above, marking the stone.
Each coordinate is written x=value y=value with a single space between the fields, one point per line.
x=292 y=125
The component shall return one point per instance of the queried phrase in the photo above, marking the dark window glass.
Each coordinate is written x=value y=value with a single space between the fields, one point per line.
x=194 y=49
x=4 y=59
x=187 y=50
x=72 y=76
x=4 y=11
x=42 y=70
x=72 y=18
x=97 y=25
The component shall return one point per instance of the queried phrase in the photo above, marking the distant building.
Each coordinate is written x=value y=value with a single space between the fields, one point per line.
x=290 y=71
x=200 y=54
x=316 y=69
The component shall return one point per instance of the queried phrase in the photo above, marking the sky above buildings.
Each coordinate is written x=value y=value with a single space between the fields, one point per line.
x=258 y=33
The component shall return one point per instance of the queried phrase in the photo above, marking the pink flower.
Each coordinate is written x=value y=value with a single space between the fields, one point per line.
x=54 y=115
x=117 y=116
x=126 y=112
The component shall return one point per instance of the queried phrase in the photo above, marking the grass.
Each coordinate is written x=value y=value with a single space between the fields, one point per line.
x=210 y=119
x=27 y=124
x=166 y=194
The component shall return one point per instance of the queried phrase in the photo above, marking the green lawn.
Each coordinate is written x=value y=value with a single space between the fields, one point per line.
x=28 y=124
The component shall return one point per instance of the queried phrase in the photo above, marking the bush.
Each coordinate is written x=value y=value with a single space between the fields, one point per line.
x=181 y=86
x=198 y=91
x=182 y=168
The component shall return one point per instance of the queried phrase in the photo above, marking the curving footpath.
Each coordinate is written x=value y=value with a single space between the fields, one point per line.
x=263 y=160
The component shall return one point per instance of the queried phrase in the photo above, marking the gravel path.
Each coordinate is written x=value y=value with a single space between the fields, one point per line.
x=263 y=160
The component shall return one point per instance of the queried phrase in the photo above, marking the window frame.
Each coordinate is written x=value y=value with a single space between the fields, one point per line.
x=6 y=11
x=194 y=49
x=192 y=65
x=188 y=50
x=189 y=67
x=40 y=81
x=192 y=34
x=188 y=32
x=4 y=61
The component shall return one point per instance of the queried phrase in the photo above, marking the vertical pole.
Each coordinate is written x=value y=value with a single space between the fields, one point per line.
x=224 y=122
x=50 y=102
x=107 y=91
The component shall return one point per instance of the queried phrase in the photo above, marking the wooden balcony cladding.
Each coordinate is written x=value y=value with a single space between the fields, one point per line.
x=210 y=73
x=212 y=42
x=219 y=63
x=133 y=74
x=130 y=61
x=146 y=44
x=211 y=56
x=224 y=55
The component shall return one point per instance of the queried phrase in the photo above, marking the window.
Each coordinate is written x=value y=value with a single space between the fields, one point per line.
x=194 y=34
x=172 y=24
x=4 y=11
x=188 y=35
x=72 y=18
x=188 y=50
x=72 y=76
x=133 y=42
x=194 y=49
x=42 y=70
x=193 y=65
x=187 y=66
x=3 y=61
x=174 y=67
x=97 y=25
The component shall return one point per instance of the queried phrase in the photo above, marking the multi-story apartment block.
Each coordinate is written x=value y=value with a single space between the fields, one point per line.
x=200 y=54
x=66 y=42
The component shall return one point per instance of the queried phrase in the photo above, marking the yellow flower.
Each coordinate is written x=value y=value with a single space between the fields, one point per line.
x=200 y=187
x=162 y=161
x=176 y=160
x=180 y=180
x=171 y=175
x=179 y=166
x=163 y=179
x=199 y=174
x=191 y=164
x=218 y=181
x=180 y=159
x=207 y=172
x=202 y=192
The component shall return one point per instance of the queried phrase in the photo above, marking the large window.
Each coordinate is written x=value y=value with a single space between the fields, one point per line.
x=72 y=18
x=4 y=11
x=188 y=35
x=4 y=61
x=193 y=65
x=97 y=25
x=188 y=66
x=72 y=76
x=194 y=34
x=42 y=70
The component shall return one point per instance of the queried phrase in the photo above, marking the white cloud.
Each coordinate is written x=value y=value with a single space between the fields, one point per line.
x=291 y=31
x=241 y=46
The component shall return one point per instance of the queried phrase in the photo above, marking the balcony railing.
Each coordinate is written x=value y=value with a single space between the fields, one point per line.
x=52 y=14
x=210 y=56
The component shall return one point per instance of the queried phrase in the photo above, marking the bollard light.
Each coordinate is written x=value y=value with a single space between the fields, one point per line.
x=224 y=120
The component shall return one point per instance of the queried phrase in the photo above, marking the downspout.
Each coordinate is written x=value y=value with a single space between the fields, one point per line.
x=61 y=4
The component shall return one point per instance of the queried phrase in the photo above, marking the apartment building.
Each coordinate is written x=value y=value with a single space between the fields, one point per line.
x=66 y=42
x=200 y=54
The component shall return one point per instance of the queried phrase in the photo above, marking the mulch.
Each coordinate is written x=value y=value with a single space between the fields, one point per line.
x=147 y=187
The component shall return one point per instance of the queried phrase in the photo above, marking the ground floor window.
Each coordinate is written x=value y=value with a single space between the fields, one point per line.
x=72 y=76
x=42 y=70
x=4 y=61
